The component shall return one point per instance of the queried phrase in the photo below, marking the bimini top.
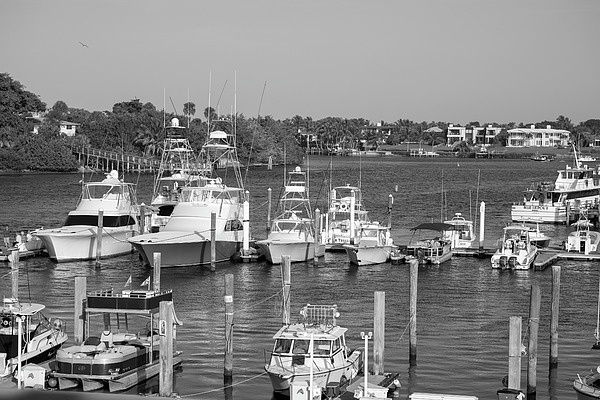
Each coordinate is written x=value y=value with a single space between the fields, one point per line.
x=433 y=226
x=13 y=306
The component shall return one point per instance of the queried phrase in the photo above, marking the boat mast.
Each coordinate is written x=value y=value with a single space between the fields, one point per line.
x=597 y=333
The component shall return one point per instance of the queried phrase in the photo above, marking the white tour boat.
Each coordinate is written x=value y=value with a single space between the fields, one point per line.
x=178 y=168
x=461 y=235
x=77 y=238
x=124 y=352
x=186 y=238
x=574 y=188
x=516 y=250
x=430 y=250
x=293 y=232
x=26 y=335
x=314 y=347
x=375 y=245
x=345 y=215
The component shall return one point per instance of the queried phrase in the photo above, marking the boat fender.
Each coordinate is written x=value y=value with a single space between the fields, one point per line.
x=5 y=322
x=52 y=382
x=58 y=324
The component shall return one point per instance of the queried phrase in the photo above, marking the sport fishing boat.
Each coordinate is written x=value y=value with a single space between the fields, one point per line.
x=516 y=250
x=293 y=232
x=313 y=347
x=186 y=238
x=116 y=357
x=461 y=235
x=583 y=240
x=375 y=245
x=77 y=239
x=343 y=219
x=178 y=168
x=26 y=335
x=430 y=250
x=575 y=187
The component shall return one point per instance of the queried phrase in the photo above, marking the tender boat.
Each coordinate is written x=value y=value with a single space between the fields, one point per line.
x=178 y=168
x=123 y=353
x=344 y=217
x=461 y=235
x=186 y=238
x=293 y=232
x=583 y=240
x=539 y=157
x=575 y=187
x=36 y=337
x=516 y=250
x=375 y=245
x=588 y=386
x=433 y=250
x=315 y=346
x=77 y=238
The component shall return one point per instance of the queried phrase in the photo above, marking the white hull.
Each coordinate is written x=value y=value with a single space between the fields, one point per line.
x=182 y=249
x=553 y=214
x=584 y=242
x=368 y=255
x=73 y=243
x=298 y=251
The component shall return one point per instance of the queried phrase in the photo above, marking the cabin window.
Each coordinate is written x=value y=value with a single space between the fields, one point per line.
x=282 y=346
x=335 y=345
x=107 y=221
x=300 y=346
x=322 y=347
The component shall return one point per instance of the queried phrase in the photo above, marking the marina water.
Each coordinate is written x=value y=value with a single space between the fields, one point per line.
x=463 y=305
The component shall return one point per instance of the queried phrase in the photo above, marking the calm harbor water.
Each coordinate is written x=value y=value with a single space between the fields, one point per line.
x=463 y=305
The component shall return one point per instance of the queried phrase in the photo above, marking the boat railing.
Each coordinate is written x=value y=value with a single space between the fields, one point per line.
x=320 y=314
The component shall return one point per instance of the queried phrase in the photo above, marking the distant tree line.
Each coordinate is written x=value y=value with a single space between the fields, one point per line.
x=134 y=127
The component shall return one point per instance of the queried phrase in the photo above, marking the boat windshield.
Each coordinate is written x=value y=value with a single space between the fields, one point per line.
x=107 y=221
x=93 y=191
x=209 y=195
x=302 y=346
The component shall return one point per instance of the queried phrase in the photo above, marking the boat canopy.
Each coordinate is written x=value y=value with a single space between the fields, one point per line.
x=433 y=226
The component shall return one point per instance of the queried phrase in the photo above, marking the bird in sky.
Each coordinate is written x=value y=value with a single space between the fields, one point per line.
x=83 y=44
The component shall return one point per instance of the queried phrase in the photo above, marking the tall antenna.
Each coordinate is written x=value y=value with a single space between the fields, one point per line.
x=252 y=142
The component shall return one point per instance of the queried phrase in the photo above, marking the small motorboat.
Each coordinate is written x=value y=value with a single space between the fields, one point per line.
x=461 y=235
x=588 y=386
x=375 y=245
x=24 y=325
x=516 y=250
x=313 y=347
x=583 y=240
x=430 y=250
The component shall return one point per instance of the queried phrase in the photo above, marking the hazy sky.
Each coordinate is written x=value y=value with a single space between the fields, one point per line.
x=425 y=60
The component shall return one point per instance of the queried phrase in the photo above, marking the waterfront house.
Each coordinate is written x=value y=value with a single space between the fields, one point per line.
x=537 y=137
x=475 y=134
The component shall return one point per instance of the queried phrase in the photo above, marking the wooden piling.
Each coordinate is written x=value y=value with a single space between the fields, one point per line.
x=246 y=225
x=156 y=272
x=317 y=227
x=534 y=324
x=481 y=226
x=554 y=316
x=165 y=322
x=286 y=273
x=228 y=370
x=352 y=206
x=213 y=240
x=99 y=236
x=80 y=296
x=142 y=219
x=414 y=274
x=514 y=353
x=269 y=191
x=390 y=203
x=14 y=270
x=379 y=334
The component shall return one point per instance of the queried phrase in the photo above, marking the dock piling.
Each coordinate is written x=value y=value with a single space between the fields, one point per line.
x=165 y=315
x=481 y=227
x=228 y=370
x=534 y=324
x=14 y=269
x=286 y=273
x=156 y=271
x=99 y=236
x=269 y=191
x=379 y=334
x=246 y=224
x=80 y=289
x=554 y=316
x=213 y=240
x=351 y=210
x=414 y=274
x=142 y=218
x=317 y=227
x=514 y=353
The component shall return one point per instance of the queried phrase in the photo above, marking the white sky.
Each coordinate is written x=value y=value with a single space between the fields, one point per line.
x=425 y=60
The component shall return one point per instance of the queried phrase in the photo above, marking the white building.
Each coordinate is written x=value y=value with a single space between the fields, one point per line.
x=68 y=128
x=476 y=134
x=537 y=137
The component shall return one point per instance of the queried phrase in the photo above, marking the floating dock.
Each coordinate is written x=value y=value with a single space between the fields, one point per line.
x=4 y=256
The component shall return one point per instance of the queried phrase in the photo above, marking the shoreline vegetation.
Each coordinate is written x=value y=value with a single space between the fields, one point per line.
x=32 y=136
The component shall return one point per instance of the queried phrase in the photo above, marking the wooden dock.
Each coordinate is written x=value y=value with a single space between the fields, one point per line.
x=22 y=254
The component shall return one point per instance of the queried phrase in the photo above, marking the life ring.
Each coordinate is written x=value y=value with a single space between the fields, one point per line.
x=343 y=207
x=5 y=322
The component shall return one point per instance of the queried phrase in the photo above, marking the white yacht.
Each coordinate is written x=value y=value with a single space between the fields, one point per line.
x=516 y=250
x=77 y=239
x=461 y=235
